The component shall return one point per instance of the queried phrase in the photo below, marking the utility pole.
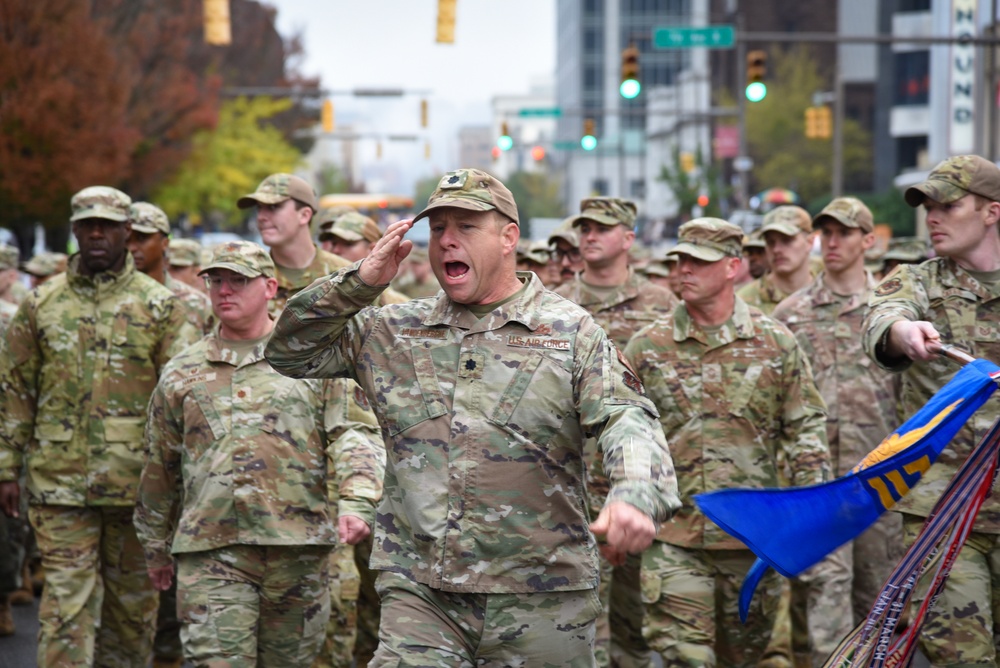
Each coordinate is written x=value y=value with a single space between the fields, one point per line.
x=743 y=192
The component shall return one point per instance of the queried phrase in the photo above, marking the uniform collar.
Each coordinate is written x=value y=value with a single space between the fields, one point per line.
x=739 y=326
x=524 y=310
x=820 y=293
x=218 y=353
x=105 y=280
x=624 y=292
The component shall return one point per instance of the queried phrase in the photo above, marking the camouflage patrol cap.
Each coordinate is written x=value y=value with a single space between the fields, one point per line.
x=788 y=220
x=657 y=268
x=849 y=212
x=44 y=265
x=243 y=257
x=538 y=252
x=148 y=218
x=184 y=253
x=609 y=211
x=906 y=249
x=353 y=226
x=100 y=202
x=566 y=232
x=277 y=188
x=709 y=239
x=9 y=257
x=955 y=178
x=418 y=254
x=325 y=217
x=754 y=240
x=474 y=190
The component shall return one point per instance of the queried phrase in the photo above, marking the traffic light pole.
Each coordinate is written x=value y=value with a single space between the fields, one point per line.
x=837 y=182
x=743 y=191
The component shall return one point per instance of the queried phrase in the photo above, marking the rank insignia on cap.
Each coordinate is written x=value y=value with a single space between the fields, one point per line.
x=453 y=181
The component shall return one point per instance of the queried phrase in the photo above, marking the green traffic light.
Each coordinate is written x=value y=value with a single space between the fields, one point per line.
x=505 y=143
x=588 y=142
x=756 y=91
x=630 y=89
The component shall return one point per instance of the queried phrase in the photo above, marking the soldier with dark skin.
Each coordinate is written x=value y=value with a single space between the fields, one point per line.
x=83 y=355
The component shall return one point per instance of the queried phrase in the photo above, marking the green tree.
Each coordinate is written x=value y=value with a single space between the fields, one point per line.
x=783 y=155
x=537 y=195
x=331 y=179
x=687 y=186
x=422 y=191
x=230 y=161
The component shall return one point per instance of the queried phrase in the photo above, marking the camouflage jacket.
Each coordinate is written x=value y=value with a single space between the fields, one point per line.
x=762 y=293
x=322 y=266
x=729 y=401
x=967 y=315
x=198 y=304
x=484 y=421
x=860 y=397
x=83 y=357
x=240 y=455
x=7 y=311
x=634 y=305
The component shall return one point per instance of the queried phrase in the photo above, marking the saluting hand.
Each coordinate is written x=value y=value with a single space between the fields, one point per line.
x=383 y=260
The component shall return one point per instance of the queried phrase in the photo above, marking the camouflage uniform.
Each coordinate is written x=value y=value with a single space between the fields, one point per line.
x=484 y=485
x=860 y=400
x=964 y=308
x=236 y=478
x=198 y=305
x=633 y=305
x=184 y=253
x=83 y=357
x=730 y=398
x=9 y=257
x=762 y=294
x=45 y=265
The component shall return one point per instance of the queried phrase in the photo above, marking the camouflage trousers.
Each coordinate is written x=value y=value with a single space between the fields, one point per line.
x=962 y=627
x=253 y=605
x=692 y=606
x=98 y=606
x=338 y=647
x=425 y=627
x=369 y=606
x=167 y=641
x=619 y=640
x=12 y=537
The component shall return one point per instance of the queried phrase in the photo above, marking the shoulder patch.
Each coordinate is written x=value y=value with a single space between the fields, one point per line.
x=889 y=287
x=630 y=378
x=360 y=398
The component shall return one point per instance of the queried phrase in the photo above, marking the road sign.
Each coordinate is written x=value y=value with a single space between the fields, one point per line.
x=566 y=145
x=545 y=112
x=743 y=163
x=688 y=37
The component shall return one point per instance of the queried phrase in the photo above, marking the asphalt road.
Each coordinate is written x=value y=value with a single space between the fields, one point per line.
x=18 y=650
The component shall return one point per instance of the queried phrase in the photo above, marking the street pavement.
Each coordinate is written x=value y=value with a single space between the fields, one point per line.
x=18 y=650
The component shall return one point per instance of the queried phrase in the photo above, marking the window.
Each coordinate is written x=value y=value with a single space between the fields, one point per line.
x=912 y=77
x=914 y=6
x=600 y=187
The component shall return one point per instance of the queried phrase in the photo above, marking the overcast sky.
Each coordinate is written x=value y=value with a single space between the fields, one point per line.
x=501 y=47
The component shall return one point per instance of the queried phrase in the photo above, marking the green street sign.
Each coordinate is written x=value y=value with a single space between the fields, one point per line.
x=566 y=145
x=550 y=112
x=688 y=37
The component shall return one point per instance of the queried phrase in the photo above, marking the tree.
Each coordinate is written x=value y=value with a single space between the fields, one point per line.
x=331 y=179
x=423 y=190
x=229 y=161
x=783 y=156
x=537 y=195
x=705 y=179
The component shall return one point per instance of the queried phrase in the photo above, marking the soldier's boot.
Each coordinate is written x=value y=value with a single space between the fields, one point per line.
x=24 y=595
x=37 y=577
x=167 y=663
x=6 y=618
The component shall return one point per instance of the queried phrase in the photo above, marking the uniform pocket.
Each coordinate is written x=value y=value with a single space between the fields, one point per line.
x=415 y=394
x=127 y=430
x=535 y=402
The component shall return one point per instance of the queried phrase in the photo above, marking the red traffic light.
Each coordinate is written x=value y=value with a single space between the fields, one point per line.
x=537 y=153
x=703 y=201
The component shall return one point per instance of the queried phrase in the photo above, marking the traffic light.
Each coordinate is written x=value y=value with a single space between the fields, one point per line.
x=446 y=22
x=505 y=142
x=687 y=162
x=819 y=122
x=703 y=200
x=218 y=29
x=588 y=142
x=630 y=85
x=423 y=113
x=327 y=116
x=756 y=73
x=427 y=150
x=378 y=150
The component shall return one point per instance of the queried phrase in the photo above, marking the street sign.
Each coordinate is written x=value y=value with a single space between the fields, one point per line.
x=688 y=37
x=743 y=163
x=566 y=145
x=545 y=112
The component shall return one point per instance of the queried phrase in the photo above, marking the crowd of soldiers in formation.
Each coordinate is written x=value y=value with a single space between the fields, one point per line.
x=149 y=460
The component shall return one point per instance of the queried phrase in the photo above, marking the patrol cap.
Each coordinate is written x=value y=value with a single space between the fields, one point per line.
x=474 y=190
x=566 y=232
x=102 y=202
x=148 y=218
x=754 y=240
x=538 y=252
x=709 y=239
x=657 y=268
x=326 y=216
x=243 y=257
x=849 y=212
x=418 y=254
x=184 y=253
x=44 y=265
x=353 y=226
x=788 y=220
x=8 y=257
x=955 y=178
x=906 y=249
x=608 y=211
x=277 y=188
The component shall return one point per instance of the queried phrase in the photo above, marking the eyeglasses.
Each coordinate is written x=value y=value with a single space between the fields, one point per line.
x=235 y=283
x=573 y=255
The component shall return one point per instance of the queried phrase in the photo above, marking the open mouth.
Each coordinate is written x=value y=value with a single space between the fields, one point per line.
x=456 y=269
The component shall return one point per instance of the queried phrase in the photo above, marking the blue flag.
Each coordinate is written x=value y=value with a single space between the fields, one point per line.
x=794 y=528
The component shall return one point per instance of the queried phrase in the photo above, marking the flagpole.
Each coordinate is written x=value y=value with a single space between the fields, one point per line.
x=952 y=353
